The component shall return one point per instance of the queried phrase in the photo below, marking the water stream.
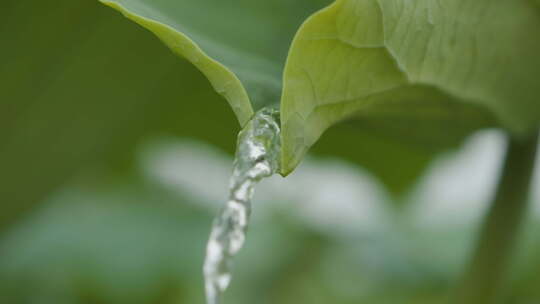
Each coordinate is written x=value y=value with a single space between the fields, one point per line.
x=257 y=157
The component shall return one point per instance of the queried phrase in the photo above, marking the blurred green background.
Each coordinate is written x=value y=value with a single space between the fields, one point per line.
x=115 y=155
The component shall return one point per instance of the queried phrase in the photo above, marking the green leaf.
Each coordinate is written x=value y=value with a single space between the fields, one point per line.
x=425 y=73
x=416 y=77
x=240 y=46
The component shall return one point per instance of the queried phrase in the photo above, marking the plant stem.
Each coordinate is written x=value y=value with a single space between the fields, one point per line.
x=488 y=268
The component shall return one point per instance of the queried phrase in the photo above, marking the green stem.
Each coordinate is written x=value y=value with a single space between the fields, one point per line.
x=487 y=271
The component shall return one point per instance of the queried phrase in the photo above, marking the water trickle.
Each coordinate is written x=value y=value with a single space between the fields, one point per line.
x=257 y=157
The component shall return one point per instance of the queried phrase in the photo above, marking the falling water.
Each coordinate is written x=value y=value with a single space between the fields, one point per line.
x=257 y=157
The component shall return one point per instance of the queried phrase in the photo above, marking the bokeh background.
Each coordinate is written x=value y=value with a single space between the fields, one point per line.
x=115 y=155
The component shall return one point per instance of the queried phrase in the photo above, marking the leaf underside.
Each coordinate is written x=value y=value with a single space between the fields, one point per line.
x=240 y=45
x=423 y=74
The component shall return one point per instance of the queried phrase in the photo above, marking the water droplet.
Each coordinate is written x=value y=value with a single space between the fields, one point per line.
x=257 y=157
